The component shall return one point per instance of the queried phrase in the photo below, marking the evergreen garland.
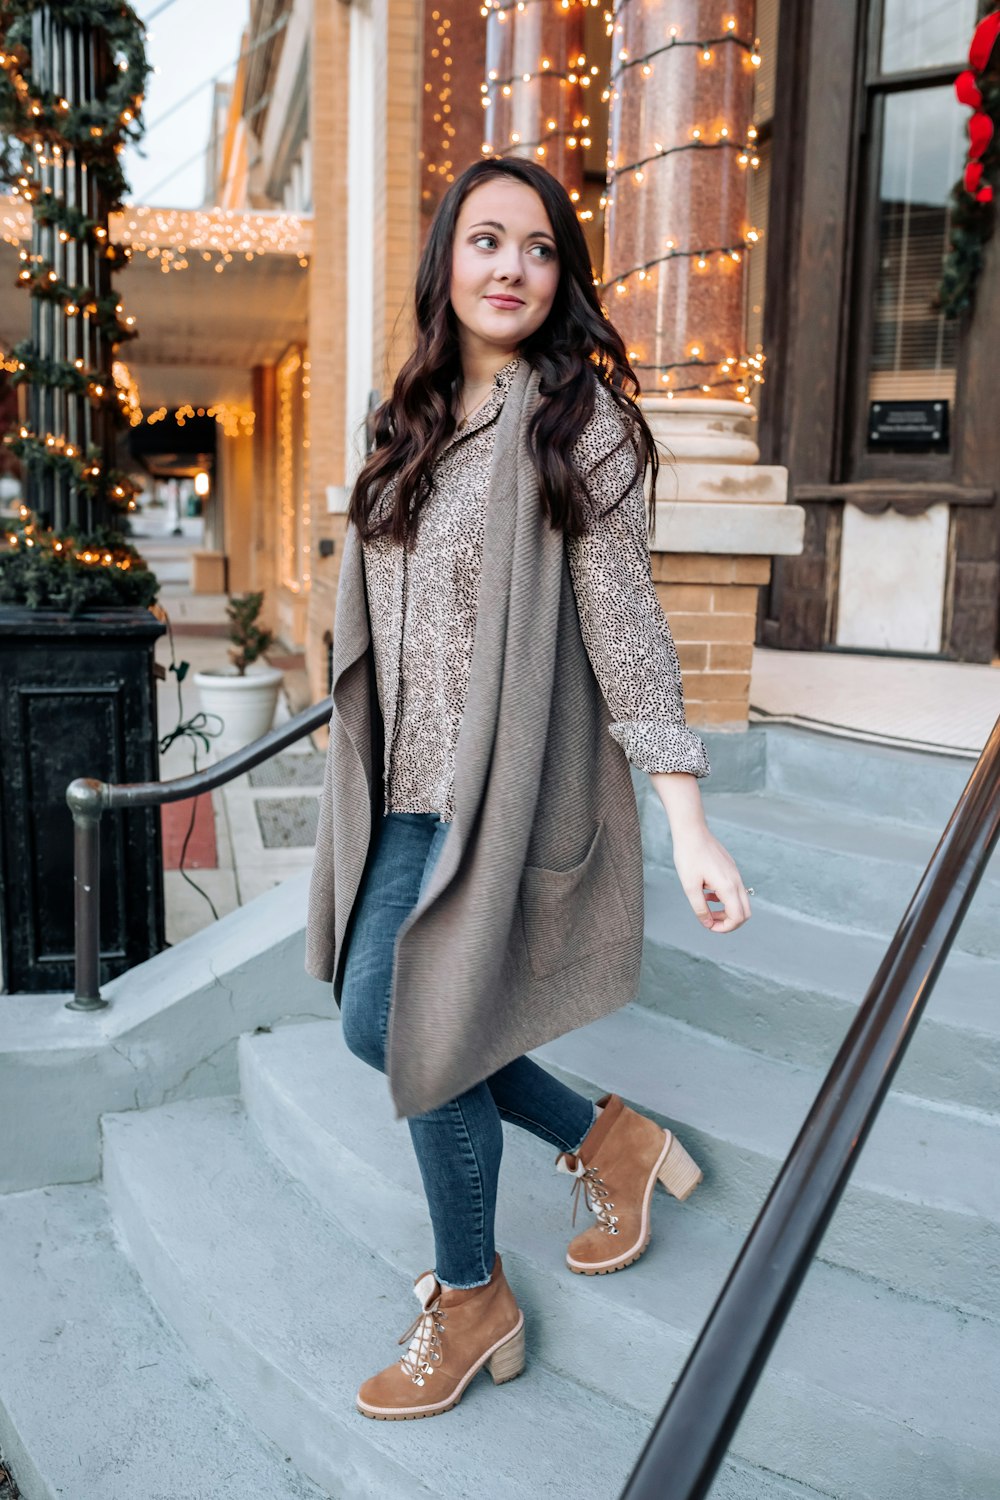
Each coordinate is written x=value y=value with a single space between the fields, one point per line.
x=49 y=570
x=41 y=567
x=98 y=130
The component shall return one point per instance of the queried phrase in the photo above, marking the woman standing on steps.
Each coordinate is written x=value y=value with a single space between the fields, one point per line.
x=500 y=658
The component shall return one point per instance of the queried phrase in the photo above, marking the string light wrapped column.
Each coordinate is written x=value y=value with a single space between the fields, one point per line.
x=71 y=81
x=677 y=240
x=677 y=235
x=537 y=84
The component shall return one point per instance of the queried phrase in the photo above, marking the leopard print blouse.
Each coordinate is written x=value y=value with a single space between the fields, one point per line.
x=423 y=612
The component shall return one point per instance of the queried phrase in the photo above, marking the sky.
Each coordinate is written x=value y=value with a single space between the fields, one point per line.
x=191 y=43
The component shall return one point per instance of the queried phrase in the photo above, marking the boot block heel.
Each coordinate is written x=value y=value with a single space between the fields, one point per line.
x=508 y=1362
x=680 y=1173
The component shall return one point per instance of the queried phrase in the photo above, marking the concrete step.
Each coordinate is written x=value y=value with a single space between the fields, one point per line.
x=288 y=1311
x=841 y=866
x=169 y=1032
x=790 y=986
x=923 y=1209
x=909 y=786
x=99 y=1399
x=869 y=1393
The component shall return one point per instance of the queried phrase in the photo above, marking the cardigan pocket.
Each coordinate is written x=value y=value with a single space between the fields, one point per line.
x=572 y=914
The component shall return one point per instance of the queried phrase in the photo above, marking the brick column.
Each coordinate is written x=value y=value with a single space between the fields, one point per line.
x=537 y=80
x=711 y=603
x=451 y=126
x=399 y=27
x=394 y=246
x=676 y=226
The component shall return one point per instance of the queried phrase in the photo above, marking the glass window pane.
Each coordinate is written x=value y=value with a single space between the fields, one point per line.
x=913 y=347
x=926 y=33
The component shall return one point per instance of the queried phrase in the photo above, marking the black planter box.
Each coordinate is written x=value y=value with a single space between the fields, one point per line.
x=78 y=699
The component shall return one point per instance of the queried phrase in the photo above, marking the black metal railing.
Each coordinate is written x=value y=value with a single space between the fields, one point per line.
x=89 y=799
x=696 y=1426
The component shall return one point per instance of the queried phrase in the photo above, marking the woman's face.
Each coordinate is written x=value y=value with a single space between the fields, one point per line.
x=504 y=265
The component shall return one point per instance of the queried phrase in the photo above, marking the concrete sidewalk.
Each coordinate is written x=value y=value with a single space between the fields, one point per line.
x=938 y=706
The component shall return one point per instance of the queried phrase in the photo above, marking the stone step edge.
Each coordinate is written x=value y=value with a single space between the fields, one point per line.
x=260 y=1089
x=251 y=1370
x=775 y=1458
x=40 y=1451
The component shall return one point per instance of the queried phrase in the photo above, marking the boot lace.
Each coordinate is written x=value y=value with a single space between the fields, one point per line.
x=424 y=1351
x=596 y=1193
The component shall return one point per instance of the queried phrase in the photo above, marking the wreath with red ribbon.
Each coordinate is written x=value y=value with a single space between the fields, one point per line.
x=972 y=199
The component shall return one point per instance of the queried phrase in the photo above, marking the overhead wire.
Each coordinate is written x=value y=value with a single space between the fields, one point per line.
x=265 y=36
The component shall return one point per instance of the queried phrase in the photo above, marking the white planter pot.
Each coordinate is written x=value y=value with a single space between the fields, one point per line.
x=244 y=704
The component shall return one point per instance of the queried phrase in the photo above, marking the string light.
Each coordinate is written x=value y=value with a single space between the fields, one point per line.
x=235 y=421
x=439 y=169
x=225 y=234
x=86 y=471
x=542 y=96
x=741 y=372
x=287 y=376
x=700 y=369
x=675 y=40
x=306 y=486
x=696 y=143
x=169 y=234
x=727 y=255
x=118 y=556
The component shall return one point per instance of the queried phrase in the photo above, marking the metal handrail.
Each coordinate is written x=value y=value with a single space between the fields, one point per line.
x=88 y=799
x=696 y=1425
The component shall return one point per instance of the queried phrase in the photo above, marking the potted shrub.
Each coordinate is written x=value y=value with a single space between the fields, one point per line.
x=243 y=695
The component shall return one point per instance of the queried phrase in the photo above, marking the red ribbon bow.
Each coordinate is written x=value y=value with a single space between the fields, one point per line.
x=969 y=93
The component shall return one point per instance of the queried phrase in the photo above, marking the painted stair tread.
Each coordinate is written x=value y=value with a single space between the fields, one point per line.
x=760 y=1102
x=289 y=1312
x=786 y=947
x=909 y=786
x=238 y=1245
x=330 y=1121
x=790 y=986
x=851 y=1395
x=98 y=1396
x=922 y=1210
x=829 y=862
x=836 y=829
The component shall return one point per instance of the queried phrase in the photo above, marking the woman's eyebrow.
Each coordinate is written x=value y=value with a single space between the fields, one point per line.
x=536 y=234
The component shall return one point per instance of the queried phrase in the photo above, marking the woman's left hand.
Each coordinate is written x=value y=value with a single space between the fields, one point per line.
x=708 y=872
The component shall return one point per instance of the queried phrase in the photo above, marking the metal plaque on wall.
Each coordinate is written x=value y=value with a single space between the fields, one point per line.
x=908 y=424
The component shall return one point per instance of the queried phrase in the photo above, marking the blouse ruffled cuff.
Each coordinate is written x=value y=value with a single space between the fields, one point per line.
x=660 y=745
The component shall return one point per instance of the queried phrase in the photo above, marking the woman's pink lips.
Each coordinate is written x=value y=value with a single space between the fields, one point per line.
x=500 y=301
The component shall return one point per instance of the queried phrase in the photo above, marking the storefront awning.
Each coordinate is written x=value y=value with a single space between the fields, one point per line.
x=213 y=291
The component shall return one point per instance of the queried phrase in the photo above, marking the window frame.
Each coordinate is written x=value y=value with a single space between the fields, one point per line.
x=874 y=88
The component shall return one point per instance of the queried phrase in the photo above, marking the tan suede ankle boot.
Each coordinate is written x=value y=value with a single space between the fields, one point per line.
x=455 y=1334
x=617 y=1167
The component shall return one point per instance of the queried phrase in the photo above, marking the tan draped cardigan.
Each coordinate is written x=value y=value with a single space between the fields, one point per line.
x=532 y=922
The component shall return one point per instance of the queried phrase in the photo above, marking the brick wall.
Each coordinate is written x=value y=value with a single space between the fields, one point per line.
x=711 y=603
x=398 y=111
x=328 y=293
x=398 y=106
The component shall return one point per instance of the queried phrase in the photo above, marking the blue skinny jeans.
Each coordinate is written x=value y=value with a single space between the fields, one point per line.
x=458 y=1146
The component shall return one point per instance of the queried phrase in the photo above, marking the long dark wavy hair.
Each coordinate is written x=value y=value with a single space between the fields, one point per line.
x=575 y=342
